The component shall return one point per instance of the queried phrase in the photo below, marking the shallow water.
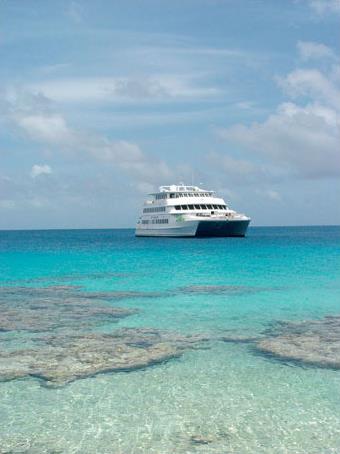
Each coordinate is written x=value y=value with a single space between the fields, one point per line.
x=219 y=398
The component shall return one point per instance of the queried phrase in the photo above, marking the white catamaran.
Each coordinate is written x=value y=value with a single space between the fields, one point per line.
x=188 y=211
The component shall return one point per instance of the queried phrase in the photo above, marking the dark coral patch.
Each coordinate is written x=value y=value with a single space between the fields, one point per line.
x=58 y=360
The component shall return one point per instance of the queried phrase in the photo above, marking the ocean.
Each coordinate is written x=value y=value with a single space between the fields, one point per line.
x=113 y=344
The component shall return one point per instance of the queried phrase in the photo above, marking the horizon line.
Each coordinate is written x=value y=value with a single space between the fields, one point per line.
x=133 y=228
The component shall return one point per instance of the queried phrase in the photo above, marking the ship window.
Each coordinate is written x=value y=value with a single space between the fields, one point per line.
x=209 y=207
x=172 y=196
x=178 y=207
x=197 y=207
x=215 y=207
x=203 y=207
x=191 y=207
x=184 y=207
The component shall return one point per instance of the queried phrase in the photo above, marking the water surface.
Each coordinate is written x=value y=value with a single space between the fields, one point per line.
x=222 y=398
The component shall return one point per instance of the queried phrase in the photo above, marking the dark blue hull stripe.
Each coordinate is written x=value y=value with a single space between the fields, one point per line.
x=222 y=228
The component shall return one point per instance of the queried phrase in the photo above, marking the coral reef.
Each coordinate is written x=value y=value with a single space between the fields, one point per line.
x=310 y=342
x=48 y=308
x=61 y=359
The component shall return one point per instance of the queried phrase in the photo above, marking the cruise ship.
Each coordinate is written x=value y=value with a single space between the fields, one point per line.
x=189 y=211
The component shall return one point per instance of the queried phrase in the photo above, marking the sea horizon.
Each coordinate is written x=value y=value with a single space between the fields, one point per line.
x=133 y=228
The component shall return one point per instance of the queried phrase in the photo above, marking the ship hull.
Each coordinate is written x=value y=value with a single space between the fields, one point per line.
x=222 y=228
x=202 y=228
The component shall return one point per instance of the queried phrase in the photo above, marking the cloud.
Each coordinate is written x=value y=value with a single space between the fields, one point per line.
x=162 y=87
x=311 y=83
x=325 y=6
x=237 y=170
x=305 y=140
x=47 y=127
x=273 y=195
x=296 y=140
x=38 y=170
x=309 y=50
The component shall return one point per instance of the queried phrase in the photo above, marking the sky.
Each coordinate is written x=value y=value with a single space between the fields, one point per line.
x=101 y=102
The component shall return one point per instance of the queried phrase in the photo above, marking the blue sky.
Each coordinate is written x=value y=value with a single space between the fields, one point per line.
x=103 y=101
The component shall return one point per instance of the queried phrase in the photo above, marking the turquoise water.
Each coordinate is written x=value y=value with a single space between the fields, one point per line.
x=236 y=400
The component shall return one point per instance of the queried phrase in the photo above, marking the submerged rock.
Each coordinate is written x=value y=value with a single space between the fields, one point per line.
x=108 y=295
x=239 y=339
x=201 y=440
x=222 y=289
x=310 y=342
x=41 y=313
x=58 y=360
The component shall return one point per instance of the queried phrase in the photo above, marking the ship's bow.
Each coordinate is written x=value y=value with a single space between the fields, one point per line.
x=223 y=228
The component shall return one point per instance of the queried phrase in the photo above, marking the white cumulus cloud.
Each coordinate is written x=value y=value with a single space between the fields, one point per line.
x=45 y=127
x=312 y=83
x=298 y=139
x=311 y=50
x=38 y=170
x=305 y=140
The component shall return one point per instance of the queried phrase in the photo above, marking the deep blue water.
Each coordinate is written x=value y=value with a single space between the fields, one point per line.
x=240 y=401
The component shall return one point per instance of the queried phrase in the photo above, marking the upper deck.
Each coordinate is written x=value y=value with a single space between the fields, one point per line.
x=174 y=192
x=192 y=197
x=182 y=188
